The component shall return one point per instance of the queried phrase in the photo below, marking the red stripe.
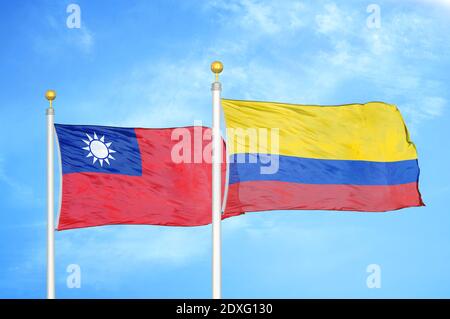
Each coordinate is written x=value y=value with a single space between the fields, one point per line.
x=272 y=195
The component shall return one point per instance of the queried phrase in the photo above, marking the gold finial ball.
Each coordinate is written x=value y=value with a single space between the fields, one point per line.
x=50 y=95
x=216 y=67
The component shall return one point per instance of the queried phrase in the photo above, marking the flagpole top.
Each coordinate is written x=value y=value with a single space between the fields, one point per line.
x=50 y=95
x=217 y=68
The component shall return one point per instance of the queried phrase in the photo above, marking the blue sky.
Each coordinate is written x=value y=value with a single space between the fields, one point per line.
x=146 y=63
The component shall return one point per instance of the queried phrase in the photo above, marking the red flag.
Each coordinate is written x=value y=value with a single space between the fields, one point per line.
x=113 y=175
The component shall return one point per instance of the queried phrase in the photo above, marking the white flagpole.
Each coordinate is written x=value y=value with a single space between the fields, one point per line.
x=50 y=95
x=216 y=68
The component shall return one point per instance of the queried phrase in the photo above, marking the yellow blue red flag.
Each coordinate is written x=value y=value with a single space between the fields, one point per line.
x=355 y=157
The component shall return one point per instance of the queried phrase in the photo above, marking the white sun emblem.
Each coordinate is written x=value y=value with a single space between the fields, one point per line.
x=98 y=149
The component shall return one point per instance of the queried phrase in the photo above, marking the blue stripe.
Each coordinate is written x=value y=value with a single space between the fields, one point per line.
x=248 y=167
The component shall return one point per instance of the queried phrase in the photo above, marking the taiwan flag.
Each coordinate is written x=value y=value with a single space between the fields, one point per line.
x=115 y=175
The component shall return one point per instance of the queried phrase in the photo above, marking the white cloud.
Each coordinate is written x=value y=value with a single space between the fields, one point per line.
x=164 y=93
x=136 y=248
x=147 y=245
x=59 y=38
x=424 y=108
x=442 y=3
x=434 y=106
x=389 y=58
x=350 y=50
x=108 y=254
x=84 y=39
x=261 y=17
x=332 y=20
x=169 y=94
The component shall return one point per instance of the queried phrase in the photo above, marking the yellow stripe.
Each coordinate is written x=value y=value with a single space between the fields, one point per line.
x=372 y=132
